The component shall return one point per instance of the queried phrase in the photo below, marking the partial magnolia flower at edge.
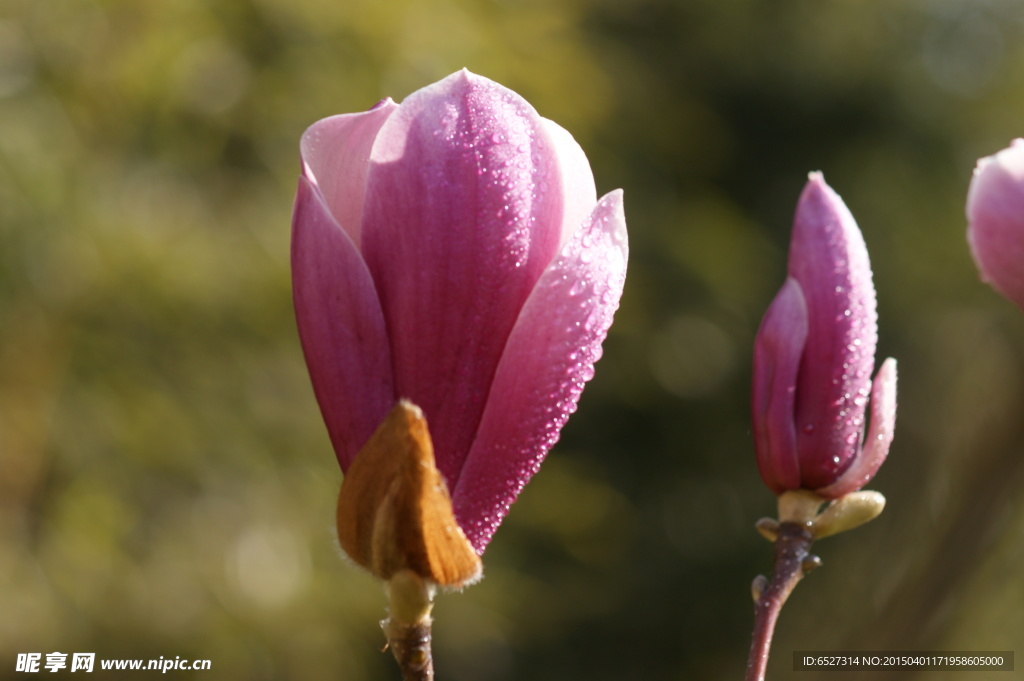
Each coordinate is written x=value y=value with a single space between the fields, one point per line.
x=451 y=251
x=995 y=218
x=813 y=358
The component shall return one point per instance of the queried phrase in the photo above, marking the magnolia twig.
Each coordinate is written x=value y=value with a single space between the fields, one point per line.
x=792 y=561
x=410 y=644
x=410 y=600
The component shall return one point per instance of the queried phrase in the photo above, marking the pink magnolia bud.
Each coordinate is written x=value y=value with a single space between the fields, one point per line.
x=995 y=218
x=452 y=251
x=814 y=356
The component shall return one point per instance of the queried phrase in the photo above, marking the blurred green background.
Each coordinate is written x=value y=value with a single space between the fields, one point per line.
x=167 y=487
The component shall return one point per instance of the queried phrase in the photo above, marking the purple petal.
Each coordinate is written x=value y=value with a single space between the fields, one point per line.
x=464 y=210
x=995 y=213
x=777 y=351
x=880 y=434
x=340 y=325
x=830 y=261
x=337 y=153
x=550 y=355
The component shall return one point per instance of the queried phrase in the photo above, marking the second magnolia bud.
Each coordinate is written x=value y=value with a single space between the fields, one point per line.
x=813 y=359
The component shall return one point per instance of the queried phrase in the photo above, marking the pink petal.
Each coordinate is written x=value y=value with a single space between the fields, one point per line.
x=995 y=213
x=777 y=352
x=578 y=190
x=880 y=434
x=463 y=213
x=550 y=355
x=830 y=261
x=340 y=325
x=337 y=153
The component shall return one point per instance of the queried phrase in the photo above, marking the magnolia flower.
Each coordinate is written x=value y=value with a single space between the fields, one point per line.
x=995 y=216
x=813 y=359
x=451 y=251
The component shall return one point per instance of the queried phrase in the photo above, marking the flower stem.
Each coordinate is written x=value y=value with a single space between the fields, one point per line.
x=410 y=599
x=792 y=561
x=410 y=644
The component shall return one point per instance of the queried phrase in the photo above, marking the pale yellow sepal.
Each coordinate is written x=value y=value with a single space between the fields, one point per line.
x=848 y=512
x=798 y=506
x=410 y=598
x=805 y=508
